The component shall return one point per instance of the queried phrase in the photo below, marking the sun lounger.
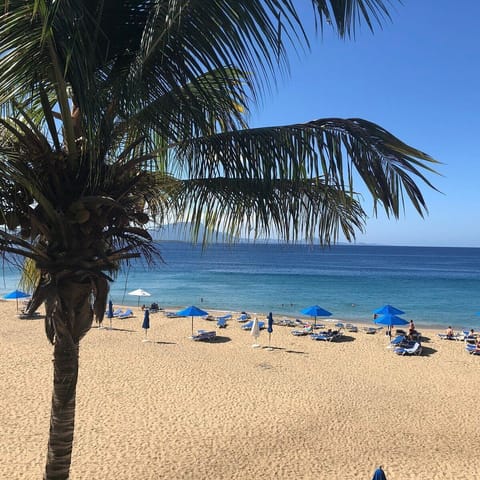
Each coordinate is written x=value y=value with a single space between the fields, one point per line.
x=204 y=335
x=304 y=331
x=117 y=312
x=326 y=336
x=243 y=317
x=351 y=328
x=401 y=341
x=285 y=322
x=472 y=348
x=415 y=350
x=126 y=314
x=455 y=336
x=249 y=325
x=222 y=321
x=371 y=330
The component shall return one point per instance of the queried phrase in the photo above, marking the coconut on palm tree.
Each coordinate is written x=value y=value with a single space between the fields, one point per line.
x=119 y=114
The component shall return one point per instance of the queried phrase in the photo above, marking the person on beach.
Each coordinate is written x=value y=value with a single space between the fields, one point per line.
x=449 y=332
x=411 y=331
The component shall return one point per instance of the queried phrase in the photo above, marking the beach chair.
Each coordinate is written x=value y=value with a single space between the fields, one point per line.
x=222 y=321
x=472 y=348
x=416 y=349
x=249 y=325
x=203 y=335
x=326 y=336
x=126 y=314
x=117 y=312
x=285 y=322
x=351 y=328
x=243 y=317
x=307 y=329
x=399 y=341
x=455 y=336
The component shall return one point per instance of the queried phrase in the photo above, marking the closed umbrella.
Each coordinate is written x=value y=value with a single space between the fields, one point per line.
x=146 y=323
x=315 y=311
x=15 y=295
x=110 y=312
x=255 y=331
x=139 y=292
x=270 y=328
x=192 y=311
x=379 y=474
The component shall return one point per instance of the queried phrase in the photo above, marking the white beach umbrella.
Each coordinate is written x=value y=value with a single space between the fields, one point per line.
x=139 y=293
x=255 y=331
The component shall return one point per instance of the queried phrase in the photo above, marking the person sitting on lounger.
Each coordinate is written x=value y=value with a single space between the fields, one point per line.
x=411 y=330
x=449 y=332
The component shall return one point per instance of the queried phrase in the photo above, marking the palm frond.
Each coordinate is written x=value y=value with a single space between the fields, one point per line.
x=294 y=210
x=329 y=148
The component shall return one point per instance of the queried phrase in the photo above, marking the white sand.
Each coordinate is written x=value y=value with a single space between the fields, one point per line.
x=172 y=408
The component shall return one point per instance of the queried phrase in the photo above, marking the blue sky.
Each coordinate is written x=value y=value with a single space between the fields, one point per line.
x=418 y=76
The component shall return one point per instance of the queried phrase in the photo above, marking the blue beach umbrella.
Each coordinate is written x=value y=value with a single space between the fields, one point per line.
x=390 y=320
x=192 y=311
x=146 y=321
x=315 y=311
x=379 y=474
x=15 y=295
x=388 y=309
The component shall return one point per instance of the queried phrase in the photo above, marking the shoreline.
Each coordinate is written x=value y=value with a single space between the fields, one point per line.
x=174 y=408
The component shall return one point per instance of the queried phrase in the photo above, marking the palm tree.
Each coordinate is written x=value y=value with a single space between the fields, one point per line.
x=117 y=114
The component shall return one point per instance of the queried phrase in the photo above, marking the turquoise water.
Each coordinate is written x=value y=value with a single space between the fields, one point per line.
x=434 y=286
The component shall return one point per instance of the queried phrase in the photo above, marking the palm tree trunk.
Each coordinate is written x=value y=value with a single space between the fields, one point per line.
x=62 y=417
x=69 y=316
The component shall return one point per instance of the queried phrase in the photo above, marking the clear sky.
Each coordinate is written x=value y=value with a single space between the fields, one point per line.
x=419 y=77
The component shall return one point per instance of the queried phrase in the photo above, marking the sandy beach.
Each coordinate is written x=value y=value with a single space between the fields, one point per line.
x=172 y=408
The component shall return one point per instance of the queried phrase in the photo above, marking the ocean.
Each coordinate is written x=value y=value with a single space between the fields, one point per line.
x=434 y=286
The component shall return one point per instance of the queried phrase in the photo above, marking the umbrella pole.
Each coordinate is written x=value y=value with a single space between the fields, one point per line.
x=192 y=326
